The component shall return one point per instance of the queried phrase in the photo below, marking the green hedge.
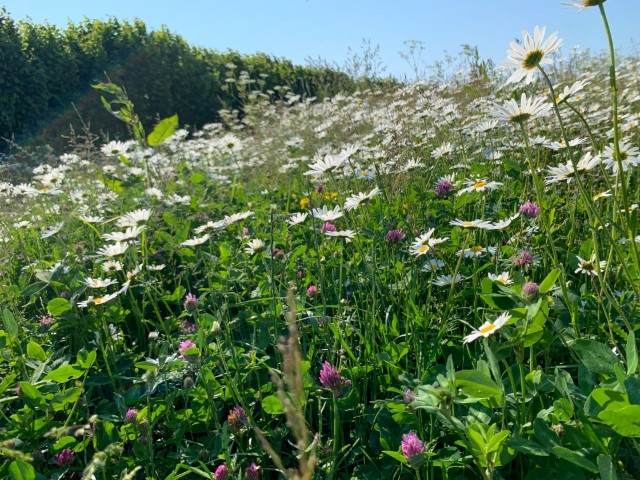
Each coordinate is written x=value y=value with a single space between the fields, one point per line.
x=46 y=76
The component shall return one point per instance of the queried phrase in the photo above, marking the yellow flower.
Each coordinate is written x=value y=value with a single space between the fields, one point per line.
x=304 y=203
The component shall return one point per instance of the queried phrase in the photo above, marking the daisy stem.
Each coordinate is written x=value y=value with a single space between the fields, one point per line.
x=614 y=103
x=548 y=236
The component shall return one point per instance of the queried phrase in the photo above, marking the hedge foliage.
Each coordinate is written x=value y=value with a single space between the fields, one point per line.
x=46 y=75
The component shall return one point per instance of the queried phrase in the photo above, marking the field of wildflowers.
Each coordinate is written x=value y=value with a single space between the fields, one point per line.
x=438 y=281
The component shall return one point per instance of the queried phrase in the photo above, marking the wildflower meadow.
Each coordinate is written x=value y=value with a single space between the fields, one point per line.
x=432 y=280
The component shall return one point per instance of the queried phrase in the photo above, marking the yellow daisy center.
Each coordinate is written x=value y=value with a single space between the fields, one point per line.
x=480 y=184
x=519 y=117
x=424 y=248
x=467 y=224
x=532 y=60
x=476 y=249
x=502 y=280
x=488 y=328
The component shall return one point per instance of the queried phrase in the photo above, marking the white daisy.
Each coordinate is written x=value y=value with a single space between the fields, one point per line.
x=254 y=246
x=503 y=278
x=297 y=218
x=535 y=52
x=327 y=215
x=511 y=112
x=355 y=201
x=488 y=328
x=192 y=242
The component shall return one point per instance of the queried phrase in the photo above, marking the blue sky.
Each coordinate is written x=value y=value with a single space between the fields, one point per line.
x=299 y=29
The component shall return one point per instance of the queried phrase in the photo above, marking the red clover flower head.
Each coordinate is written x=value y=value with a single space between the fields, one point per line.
x=184 y=346
x=331 y=379
x=64 y=458
x=221 y=473
x=524 y=259
x=443 y=187
x=531 y=290
x=394 y=236
x=131 y=416
x=312 y=291
x=237 y=418
x=327 y=227
x=411 y=446
x=529 y=209
x=251 y=472
x=46 y=322
x=190 y=302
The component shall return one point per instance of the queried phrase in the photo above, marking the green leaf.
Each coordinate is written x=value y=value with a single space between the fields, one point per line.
x=196 y=178
x=8 y=380
x=605 y=465
x=19 y=470
x=33 y=288
x=632 y=354
x=272 y=405
x=477 y=384
x=61 y=400
x=528 y=447
x=563 y=409
x=396 y=455
x=624 y=421
x=177 y=294
x=544 y=434
x=534 y=334
x=162 y=131
x=58 y=306
x=32 y=396
x=86 y=359
x=549 y=281
x=10 y=323
x=64 y=374
x=576 y=458
x=596 y=356
x=34 y=350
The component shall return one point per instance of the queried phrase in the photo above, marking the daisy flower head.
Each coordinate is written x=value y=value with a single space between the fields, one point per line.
x=481 y=224
x=529 y=109
x=97 y=282
x=97 y=301
x=581 y=5
x=327 y=215
x=478 y=186
x=432 y=265
x=135 y=218
x=192 y=242
x=355 y=201
x=601 y=194
x=348 y=235
x=113 y=250
x=534 y=53
x=591 y=266
x=503 y=278
x=297 y=218
x=488 y=328
x=254 y=246
x=477 y=251
x=571 y=91
x=629 y=157
x=444 y=280
x=129 y=234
